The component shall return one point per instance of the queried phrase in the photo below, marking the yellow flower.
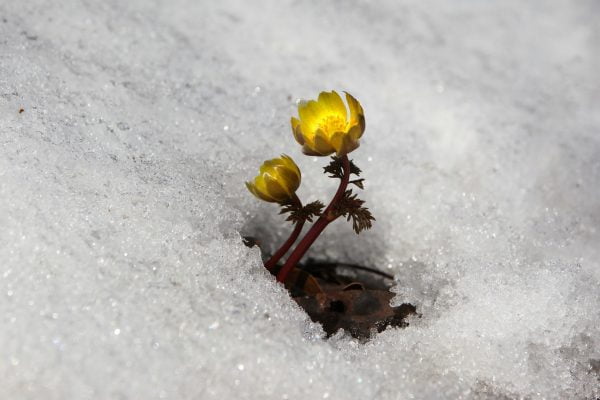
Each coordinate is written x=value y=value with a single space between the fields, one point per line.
x=325 y=127
x=277 y=180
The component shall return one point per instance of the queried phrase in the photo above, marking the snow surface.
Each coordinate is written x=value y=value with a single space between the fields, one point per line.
x=122 y=205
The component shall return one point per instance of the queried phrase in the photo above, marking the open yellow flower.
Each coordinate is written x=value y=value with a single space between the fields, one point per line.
x=277 y=180
x=325 y=127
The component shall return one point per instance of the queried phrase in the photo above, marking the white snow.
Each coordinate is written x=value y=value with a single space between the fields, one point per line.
x=122 y=205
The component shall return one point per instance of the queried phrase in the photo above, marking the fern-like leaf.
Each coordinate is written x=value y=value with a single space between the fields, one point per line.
x=335 y=169
x=298 y=213
x=351 y=207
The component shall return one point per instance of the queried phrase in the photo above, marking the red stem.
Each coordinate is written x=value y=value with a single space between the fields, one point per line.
x=270 y=264
x=313 y=233
x=285 y=247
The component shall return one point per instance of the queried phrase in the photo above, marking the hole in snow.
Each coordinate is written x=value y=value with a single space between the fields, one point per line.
x=351 y=297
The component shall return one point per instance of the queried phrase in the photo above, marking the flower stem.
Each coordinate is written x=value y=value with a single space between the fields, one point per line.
x=270 y=264
x=319 y=226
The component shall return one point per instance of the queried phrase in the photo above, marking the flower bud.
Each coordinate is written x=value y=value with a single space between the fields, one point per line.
x=277 y=180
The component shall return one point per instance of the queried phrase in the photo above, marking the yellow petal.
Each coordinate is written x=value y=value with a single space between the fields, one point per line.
x=263 y=190
x=309 y=151
x=250 y=187
x=348 y=145
x=310 y=114
x=267 y=166
x=260 y=193
x=345 y=142
x=332 y=102
x=322 y=144
x=309 y=141
x=297 y=130
x=355 y=131
x=288 y=178
x=337 y=139
x=275 y=189
x=357 y=114
x=291 y=165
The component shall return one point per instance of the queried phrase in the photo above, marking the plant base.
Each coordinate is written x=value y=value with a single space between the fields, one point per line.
x=349 y=297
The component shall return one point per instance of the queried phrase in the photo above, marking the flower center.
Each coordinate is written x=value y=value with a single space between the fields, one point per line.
x=332 y=124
